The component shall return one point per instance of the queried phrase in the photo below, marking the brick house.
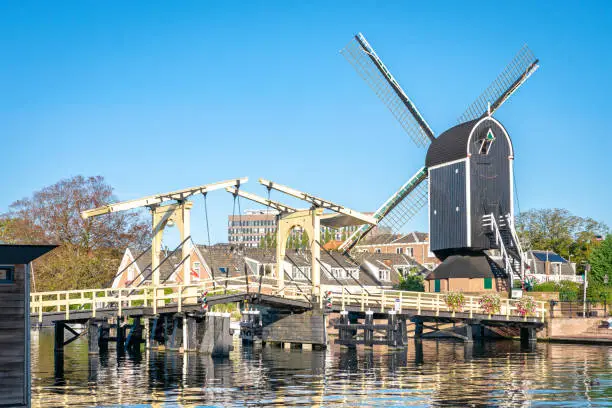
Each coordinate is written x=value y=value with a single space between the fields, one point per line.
x=413 y=244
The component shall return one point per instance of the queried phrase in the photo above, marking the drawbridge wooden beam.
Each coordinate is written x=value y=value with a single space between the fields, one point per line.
x=264 y=201
x=156 y=199
x=319 y=202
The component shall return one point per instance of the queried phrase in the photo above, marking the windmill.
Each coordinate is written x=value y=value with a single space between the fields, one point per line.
x=467 y=178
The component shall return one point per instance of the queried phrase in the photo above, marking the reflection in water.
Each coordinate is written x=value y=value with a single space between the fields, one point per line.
x=427 y=372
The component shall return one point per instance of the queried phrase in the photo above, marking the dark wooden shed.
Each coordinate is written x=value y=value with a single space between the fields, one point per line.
x=15 y=322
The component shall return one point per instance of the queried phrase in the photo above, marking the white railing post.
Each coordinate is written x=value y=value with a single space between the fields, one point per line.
x=507 y=309
x=180 y=298
x=120 y=305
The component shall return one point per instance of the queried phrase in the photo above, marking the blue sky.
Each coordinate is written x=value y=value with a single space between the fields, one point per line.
x=156 y=96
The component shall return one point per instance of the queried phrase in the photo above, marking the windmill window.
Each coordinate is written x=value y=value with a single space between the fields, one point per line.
x=377 y=250
x=399 y=250
x=486 y=142
x=7 y=274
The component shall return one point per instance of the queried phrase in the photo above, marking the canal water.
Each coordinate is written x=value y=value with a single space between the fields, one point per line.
x=427 y=373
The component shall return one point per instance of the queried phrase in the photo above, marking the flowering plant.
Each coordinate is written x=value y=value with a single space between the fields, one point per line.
x=525 y=306
x=454 y=301
x=491 y=304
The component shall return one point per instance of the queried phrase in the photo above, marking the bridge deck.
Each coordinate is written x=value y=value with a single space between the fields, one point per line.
x=81 y=305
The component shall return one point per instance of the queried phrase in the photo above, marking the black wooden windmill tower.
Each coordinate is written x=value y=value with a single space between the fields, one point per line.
x=468 y=169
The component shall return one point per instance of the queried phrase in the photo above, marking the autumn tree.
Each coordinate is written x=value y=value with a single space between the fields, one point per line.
x=560 y=231
x=90 y=250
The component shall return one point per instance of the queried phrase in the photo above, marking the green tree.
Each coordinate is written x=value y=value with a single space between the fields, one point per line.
x=413 y=283
x=601 y=265
x=557 y=229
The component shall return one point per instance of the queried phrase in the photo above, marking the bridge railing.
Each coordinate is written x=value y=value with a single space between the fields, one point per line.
x=70 y=302
x=118 y=299
x=385 y=300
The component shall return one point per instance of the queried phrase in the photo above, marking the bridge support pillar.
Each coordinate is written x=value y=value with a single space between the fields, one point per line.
x=469 y=333
x=190 y=338
x=395 y=337
x=216 y=337
x=368 y=329
x=418 y=329
x=155 y=333
x=135 y=336
x=59 y=336
x=120 y=334
x=345 y=334
x=528 y=335
x=94 y=334
x=175 y=340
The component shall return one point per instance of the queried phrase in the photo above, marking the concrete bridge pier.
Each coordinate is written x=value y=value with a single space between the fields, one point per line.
x=528 y=335
x=214 y=335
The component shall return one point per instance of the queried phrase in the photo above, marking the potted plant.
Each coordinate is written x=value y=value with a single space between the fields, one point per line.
x=490 y=304
x=454 y=301
x=525 y=306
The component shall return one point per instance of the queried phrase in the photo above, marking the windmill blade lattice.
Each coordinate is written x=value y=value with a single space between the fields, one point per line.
x=397 y=210
x=370 y=67
x=406 y=209
x=512 y=77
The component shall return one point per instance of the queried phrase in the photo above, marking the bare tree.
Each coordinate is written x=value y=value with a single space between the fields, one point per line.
x=90 y=249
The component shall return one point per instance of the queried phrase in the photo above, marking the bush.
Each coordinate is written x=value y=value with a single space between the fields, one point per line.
x=454 y=301
x=412 y=282
x=568 y=290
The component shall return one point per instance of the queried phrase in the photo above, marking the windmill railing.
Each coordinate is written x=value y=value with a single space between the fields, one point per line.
x=490 y=222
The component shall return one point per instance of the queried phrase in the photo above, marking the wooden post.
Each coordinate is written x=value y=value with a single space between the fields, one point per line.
x=59 y=337
x=368 y=330
x=93 y=333
x=120 y=334
x=176 y=336
x=418 y=329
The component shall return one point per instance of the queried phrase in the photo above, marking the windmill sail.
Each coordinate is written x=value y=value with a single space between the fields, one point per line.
x=371 y=68
x=397 y=210
x=516 y=73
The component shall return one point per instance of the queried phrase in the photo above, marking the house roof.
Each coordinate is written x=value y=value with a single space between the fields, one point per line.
x=548 y=256
x=450 y=145
x=538 y=265
x=467 y=266
x=378 y=239
x=166 y=268
x=412 y=237
x=22 y=254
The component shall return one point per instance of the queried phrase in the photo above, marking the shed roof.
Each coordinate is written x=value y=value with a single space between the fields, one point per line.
x=22 y=254
x=467 y=266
